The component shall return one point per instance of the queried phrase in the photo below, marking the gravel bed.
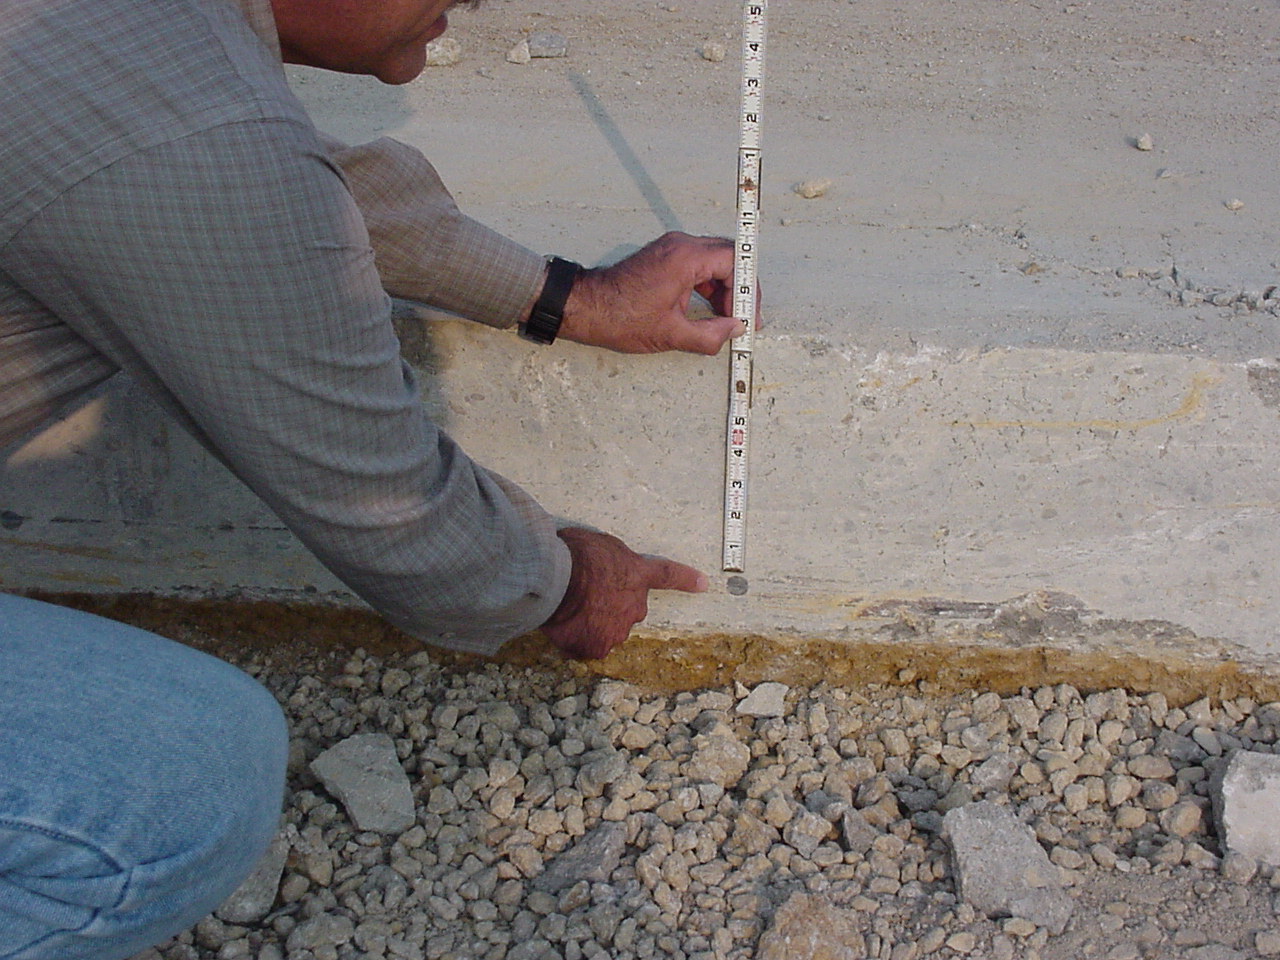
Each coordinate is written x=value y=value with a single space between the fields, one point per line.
x=704 y=820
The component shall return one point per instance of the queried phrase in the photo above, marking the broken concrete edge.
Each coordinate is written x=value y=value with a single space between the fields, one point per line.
x=931 y=656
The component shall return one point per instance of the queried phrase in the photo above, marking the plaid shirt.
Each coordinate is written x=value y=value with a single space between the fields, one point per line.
x=168 y=210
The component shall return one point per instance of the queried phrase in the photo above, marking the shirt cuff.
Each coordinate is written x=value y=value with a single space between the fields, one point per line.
x=544 y=576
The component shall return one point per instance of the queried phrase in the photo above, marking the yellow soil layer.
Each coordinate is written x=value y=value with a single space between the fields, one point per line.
x=937 y=662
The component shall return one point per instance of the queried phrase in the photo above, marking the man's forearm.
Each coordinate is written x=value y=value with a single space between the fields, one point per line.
x=425 y=248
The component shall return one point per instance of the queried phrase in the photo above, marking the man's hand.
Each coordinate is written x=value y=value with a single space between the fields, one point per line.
x=609 y=592
x=641 y=304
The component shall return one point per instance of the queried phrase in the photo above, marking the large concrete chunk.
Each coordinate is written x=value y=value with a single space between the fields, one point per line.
x=594 y=857
x=254 y=898
x=807 y=927
x=364 y=773
x=767 y=699
x=1000 y=868
x=1246 y=799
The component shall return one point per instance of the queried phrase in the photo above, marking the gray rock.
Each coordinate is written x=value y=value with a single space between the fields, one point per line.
x=253 y=898
x=501 y=715
x=1149 y=767
x=1266 y=943
x=812 y=189
x=327 y=929
x=719 y=758
x=1177 y=747
x=365 y=775
x=1181 y=820
x=1239 y=867
x=599 y=772
x=805 y=831
x=753 y=835
x=592 y=858
x=1000 y=868
x=1215 y=951
x=547 y=44
x=1246 y=795
x=917 y=801
x=765 y=700
x=994 y=773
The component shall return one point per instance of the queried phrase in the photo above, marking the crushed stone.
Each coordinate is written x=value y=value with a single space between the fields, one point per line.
x=546 y=826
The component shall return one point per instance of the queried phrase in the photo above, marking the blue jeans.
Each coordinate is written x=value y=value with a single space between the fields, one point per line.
x=140 y=781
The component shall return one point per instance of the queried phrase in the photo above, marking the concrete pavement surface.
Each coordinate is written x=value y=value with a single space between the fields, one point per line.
x=1020 y=355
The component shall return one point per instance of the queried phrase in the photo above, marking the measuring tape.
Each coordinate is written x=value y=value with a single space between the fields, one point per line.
x=738 y=429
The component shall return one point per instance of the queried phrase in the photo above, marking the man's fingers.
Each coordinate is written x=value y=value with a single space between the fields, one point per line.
x=715 y=270
x=667 y=574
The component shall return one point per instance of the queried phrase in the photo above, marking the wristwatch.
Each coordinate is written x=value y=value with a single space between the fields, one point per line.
x=548 y=313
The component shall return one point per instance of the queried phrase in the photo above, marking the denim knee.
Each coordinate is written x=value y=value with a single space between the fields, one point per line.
x=143 y=782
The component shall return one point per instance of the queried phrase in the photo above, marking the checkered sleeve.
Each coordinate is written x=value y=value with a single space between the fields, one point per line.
x=429 y=251
x=231 y=273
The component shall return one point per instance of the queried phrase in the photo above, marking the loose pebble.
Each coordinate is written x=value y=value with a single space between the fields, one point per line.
x=962 y=942
x=712 y=51
x=1145 y=142
x=256 y=895
x=812 y=189
x=1267 y=943
x=443 y=52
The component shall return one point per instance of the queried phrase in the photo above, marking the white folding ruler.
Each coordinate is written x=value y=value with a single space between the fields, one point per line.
x=738 y=429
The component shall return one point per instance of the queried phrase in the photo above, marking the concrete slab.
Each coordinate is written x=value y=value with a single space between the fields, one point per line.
x=1007 y=355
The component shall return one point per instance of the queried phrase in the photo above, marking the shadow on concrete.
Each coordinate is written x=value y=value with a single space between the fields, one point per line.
x=651 y=192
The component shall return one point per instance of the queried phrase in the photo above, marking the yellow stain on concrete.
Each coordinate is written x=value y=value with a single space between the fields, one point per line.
x=91 y=553
x=1191 y=404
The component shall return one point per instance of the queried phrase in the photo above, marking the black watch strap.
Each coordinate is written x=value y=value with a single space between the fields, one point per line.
x=548 y=313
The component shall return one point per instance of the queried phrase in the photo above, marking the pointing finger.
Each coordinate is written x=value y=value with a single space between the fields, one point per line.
x=667 y=574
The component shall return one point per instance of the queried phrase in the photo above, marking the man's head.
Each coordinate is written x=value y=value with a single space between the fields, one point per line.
x=383 y=38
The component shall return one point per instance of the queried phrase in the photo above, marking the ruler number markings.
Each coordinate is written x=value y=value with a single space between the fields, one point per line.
x=738 y=427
